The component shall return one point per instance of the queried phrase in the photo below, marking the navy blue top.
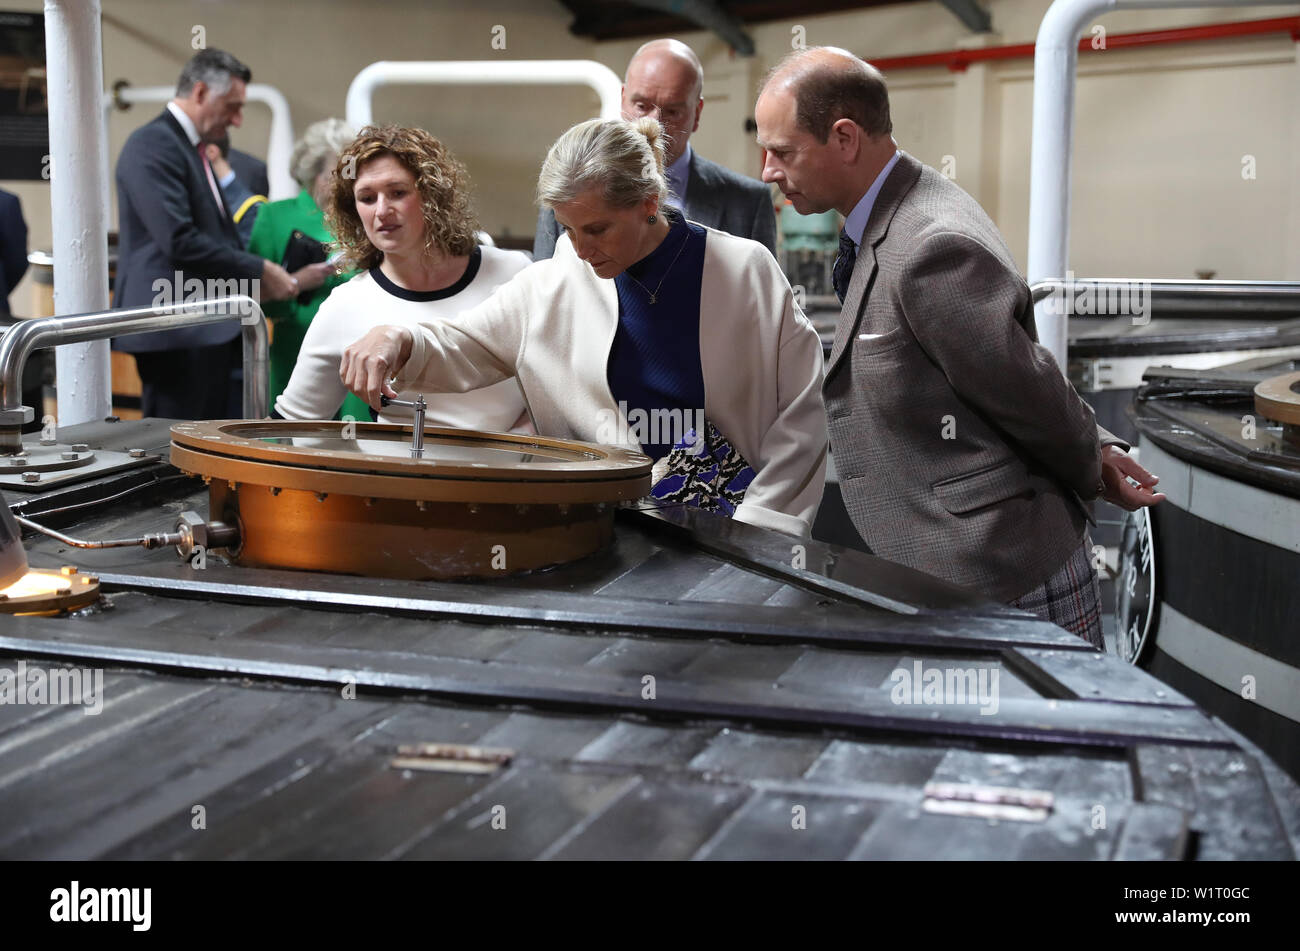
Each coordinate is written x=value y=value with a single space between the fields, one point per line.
x=654 y=363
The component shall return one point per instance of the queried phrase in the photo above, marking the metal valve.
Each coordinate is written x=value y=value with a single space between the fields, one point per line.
x=417 y=428
x=192 y=533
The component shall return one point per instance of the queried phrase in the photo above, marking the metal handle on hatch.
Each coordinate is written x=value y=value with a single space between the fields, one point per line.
x=417 y=429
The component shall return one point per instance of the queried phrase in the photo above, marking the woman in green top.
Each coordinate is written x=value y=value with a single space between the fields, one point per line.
x=292 y=233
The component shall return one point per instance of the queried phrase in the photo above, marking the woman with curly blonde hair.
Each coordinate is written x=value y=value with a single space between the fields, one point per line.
x=400 y=211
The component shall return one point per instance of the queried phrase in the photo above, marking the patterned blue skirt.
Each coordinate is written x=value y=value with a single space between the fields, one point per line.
x=705 y=471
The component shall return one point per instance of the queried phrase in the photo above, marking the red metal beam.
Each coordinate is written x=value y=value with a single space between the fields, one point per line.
x=958 y=60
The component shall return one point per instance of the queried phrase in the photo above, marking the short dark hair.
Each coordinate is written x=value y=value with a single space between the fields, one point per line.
x=825 y=94
x=214 y=68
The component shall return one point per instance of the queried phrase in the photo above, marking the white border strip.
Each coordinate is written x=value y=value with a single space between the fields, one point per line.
x=1245 y=509
x=1225 y=662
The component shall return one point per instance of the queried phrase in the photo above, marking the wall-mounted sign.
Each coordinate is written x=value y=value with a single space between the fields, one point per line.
x=24 y=114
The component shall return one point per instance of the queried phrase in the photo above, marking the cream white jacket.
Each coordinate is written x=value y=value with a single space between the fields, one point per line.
x=553 y=324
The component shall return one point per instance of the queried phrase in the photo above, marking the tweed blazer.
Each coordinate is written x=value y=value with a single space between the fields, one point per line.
x=553 y=325
x=962 y=450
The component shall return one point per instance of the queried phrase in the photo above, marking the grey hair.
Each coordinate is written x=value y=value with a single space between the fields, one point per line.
x=318 y=147
x=215 y=69
x=625 y=160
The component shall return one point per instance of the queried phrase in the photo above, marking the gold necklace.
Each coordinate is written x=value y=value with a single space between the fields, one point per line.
x=654 y=296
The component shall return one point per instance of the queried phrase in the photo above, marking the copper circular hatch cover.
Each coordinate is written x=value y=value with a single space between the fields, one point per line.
x=350 y=498
x=1278 y=398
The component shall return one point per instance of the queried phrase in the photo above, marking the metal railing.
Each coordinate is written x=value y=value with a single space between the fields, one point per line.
x=1240 y=299
x=28 y=336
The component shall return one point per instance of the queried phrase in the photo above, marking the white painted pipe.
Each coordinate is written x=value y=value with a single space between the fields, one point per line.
x=75 y=70
x=1055 y=60
x=279 y=147
x=601 y=78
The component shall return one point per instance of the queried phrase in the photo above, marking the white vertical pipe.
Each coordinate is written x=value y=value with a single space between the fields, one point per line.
x=601 y=78
x=78 y=183
x=1056 y=54
x=280 y=145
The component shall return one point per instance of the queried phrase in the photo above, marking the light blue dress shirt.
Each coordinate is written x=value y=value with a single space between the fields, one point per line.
x=678 y=175
x=856 y=223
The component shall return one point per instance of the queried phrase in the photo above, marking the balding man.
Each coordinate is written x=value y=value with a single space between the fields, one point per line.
x=665 y=80
x=962 y=450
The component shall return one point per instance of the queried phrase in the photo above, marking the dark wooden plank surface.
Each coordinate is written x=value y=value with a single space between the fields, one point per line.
x=302 y=772
x=773 y=695
x=836 y=693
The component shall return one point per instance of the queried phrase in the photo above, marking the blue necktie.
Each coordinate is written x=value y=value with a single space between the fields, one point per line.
x=843 y=269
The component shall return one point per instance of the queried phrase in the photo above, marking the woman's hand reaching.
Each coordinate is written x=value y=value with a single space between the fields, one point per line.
x=372 y=362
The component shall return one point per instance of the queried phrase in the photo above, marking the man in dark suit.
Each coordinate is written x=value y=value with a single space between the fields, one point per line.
x=13 y=246
x=665 y=80
x=13 y=264
x=249 y=169
x=241 y=201
x=961 y=448
x=177 y=242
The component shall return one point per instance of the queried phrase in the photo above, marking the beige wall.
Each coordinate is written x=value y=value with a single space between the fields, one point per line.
x=1161 y=133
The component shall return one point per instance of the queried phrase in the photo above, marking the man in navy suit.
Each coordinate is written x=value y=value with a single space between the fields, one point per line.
x=13 y=246
x=250 y=169
x=177 y=242
x=13 y=264
x=666 y=81
x=242 y=201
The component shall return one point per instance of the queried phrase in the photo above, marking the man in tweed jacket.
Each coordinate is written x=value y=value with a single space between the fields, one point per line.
x=962 y=450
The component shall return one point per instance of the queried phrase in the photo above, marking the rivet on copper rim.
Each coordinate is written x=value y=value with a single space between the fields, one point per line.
x=422 y=505
x=321 y=496
x=473 y=508
x=275 y=490
x=370 y=503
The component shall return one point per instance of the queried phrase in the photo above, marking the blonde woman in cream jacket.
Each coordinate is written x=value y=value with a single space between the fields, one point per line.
x=638 y=304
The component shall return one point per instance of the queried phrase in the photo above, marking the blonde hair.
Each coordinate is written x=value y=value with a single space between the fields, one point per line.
x=625 y=160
